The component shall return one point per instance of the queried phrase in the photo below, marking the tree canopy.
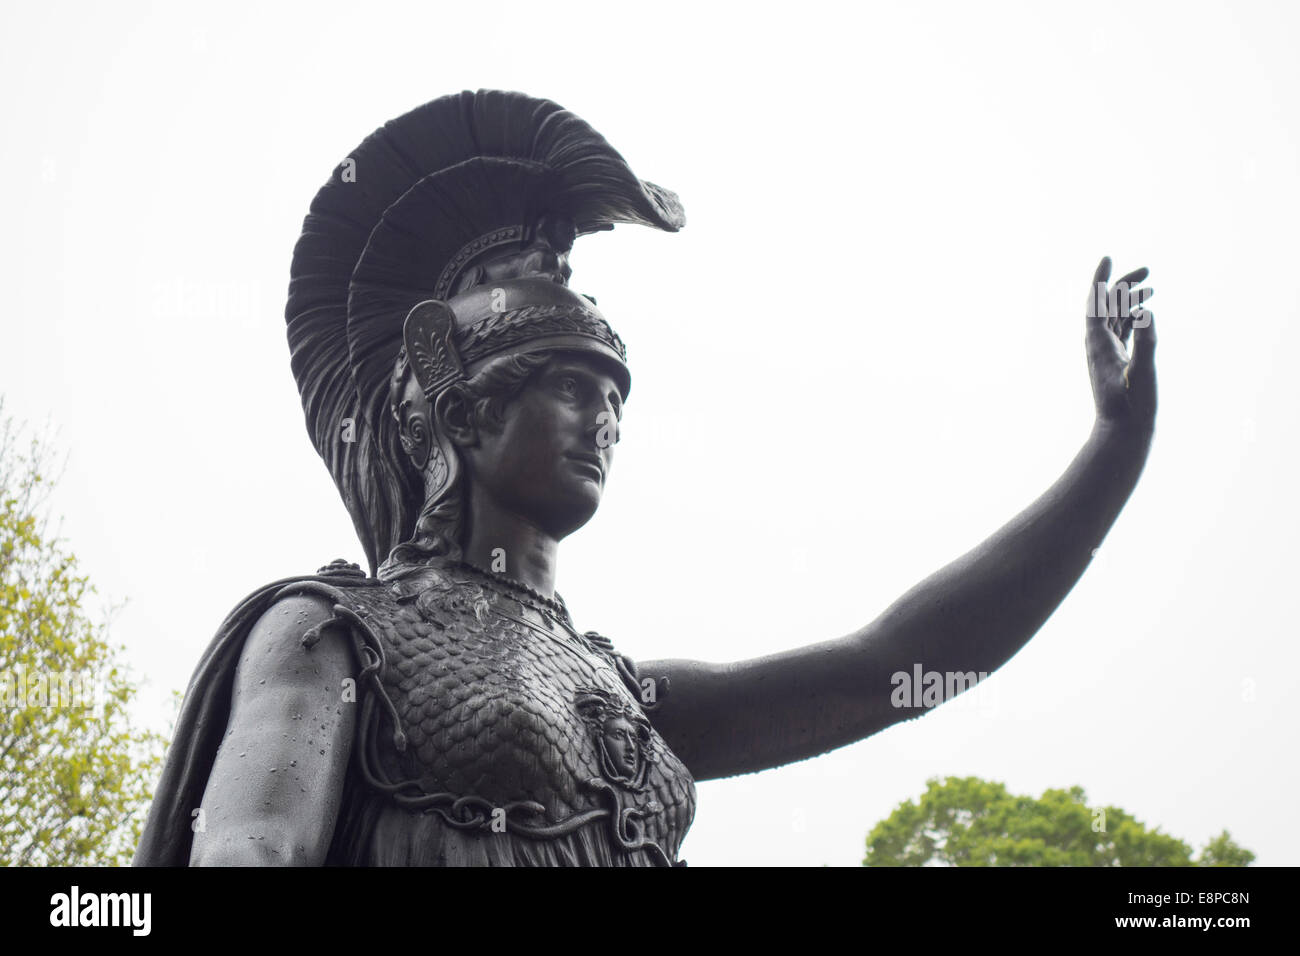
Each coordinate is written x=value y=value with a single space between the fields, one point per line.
x=74 y=774
x=966 y=821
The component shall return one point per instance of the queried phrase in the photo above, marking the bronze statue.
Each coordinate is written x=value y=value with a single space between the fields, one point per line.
x=444 y=709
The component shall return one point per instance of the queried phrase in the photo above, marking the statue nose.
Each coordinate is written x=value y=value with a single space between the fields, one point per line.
x=604 y=430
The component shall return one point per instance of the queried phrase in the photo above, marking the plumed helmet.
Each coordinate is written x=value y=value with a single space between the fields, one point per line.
x=447 y=233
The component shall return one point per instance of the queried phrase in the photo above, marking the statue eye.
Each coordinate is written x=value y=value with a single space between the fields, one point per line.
x=569 y=385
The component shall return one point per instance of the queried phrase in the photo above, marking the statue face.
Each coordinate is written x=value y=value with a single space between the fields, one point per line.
x=547 y=463
x=621 y=744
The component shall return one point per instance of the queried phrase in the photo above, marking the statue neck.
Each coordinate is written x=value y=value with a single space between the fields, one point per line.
x=502 y=542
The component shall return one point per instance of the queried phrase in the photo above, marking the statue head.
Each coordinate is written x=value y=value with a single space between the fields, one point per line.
x=510 y=389
x=436 y=343
x=532 y=429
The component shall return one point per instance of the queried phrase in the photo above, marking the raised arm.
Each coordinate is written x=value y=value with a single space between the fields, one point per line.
x=971 y=616
x=273 y=796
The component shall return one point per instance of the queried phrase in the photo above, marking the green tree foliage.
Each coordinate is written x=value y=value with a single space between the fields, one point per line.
x=74 y=775
x=966 y=821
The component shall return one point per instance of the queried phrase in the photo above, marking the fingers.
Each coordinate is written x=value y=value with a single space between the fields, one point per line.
x=1103 y=271
x=1115 y=304
x=1100 y=339
x=1098 y=311
x=1144 y=345
x=1113 y=312
x=1125 y=302
x=1102 y=275
x=1133 y=314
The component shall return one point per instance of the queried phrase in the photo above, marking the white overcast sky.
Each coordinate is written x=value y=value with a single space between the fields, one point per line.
x=860 y=358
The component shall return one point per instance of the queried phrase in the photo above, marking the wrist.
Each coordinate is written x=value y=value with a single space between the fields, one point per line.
x=1125 y=438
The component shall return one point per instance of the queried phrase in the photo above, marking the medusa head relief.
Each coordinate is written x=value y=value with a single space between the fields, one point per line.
x=621 y=735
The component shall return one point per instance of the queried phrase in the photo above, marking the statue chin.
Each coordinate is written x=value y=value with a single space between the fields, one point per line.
x=558 y=510
x=570 y=514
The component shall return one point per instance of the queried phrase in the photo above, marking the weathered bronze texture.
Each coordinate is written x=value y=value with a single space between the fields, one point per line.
x=442 y=708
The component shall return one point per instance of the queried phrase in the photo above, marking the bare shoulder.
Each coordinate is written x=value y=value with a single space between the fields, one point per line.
x=277 y=652
x=276 y=784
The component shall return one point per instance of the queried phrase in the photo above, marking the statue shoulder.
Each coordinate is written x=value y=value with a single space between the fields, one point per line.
x=291 y=615
x=272 y=642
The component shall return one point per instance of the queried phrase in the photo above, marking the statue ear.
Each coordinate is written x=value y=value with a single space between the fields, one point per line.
x=454 y=418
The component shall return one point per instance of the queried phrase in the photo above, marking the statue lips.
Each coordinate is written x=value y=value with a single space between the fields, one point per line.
x=590 y=459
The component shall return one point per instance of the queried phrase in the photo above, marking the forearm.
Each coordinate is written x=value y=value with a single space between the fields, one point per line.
x=976 y=612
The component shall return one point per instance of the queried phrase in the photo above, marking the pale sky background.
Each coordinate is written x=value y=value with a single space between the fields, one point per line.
x=861 y=357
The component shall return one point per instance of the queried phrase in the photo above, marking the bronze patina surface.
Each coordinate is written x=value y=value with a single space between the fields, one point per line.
x=441 y=707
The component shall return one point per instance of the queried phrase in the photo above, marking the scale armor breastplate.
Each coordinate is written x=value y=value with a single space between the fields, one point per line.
x=488 y=737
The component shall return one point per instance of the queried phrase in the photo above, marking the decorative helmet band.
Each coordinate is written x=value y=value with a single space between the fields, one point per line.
x=449 y=342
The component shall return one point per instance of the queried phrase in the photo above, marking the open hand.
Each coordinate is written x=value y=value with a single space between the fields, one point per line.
x=1123 y=385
